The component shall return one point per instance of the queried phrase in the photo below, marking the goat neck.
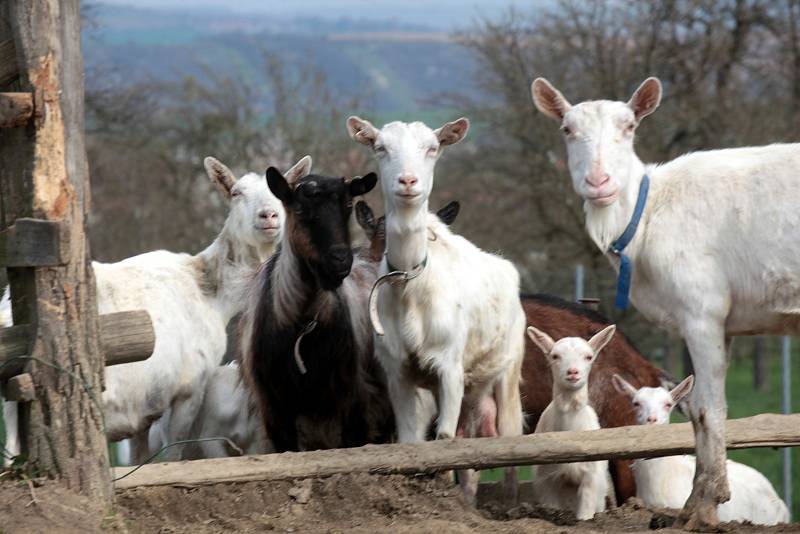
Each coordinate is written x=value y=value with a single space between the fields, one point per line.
x=570 y=401
x=407 y=235
x=606 y=224
x=228 y=265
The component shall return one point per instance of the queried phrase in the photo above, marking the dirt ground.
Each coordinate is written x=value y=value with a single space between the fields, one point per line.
x=344 y=503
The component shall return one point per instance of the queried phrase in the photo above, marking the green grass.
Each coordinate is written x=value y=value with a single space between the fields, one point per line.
x=743 y=401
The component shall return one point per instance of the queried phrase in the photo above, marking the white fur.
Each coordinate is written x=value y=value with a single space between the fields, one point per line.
x=715 y=252
x=227 y=411
x=190 y=300
x=580 y=487
x=667 y=482
x=460 y=321
x=12 y=446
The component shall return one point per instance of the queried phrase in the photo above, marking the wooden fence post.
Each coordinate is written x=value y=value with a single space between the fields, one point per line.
x=44 y=176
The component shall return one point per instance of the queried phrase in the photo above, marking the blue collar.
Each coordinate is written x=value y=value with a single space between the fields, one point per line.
x=616 y=248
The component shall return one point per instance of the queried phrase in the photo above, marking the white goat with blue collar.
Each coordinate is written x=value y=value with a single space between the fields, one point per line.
x=456 y=326
x=715 y=253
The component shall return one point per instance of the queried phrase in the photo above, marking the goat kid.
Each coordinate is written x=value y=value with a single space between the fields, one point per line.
x=581 y=487
x=667 y=482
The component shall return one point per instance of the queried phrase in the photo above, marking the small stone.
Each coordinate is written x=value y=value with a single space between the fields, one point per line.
x=301 y=491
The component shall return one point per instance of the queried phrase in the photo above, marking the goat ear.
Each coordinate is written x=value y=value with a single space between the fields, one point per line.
x=361 y=130
x=299 y=170
x=542 y=340
x=449 y=213
x=363 y=185
x=623 y=386
x=601 y=339
x=366 y=218
x=221 y=175
x=683 y=389
x=452 y=132
x=279 y=186
x=549 y=100
x=646 y=98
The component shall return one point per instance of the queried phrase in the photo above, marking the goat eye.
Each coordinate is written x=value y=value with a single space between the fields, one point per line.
x=668 y=406
x=629 y=127
x=554 y=357
x=587 y=358
x=566 y=130
x=236 y=193
x=380 y=149
x=432 y=151
x=636 y=404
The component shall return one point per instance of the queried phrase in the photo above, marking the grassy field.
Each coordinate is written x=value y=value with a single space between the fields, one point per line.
x=743 y=401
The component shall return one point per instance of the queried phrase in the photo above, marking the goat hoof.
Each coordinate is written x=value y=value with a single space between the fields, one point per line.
x=444 y=435
x=702 y=518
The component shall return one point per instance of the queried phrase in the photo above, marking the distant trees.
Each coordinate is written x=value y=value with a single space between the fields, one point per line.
x=147 y=142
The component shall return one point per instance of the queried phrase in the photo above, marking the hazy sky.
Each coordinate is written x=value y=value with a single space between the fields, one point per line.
x=440 y=14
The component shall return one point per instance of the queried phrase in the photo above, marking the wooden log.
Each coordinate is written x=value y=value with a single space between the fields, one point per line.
x=8 y=62
x=767 y=430
x=16 y=109
x=19 y=388
x=125 y=337
x=34 y=243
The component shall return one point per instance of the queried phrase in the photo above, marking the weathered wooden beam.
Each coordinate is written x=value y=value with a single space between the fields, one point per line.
x=767 y=430
x=8 y=62
x=125 y=337
x=19 y=388
x=16 y=109
x=34 y=243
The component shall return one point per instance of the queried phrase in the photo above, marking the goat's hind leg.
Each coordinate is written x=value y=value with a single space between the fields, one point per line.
x=509 y=407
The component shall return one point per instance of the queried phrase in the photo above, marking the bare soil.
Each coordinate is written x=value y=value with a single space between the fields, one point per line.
x=343 y=503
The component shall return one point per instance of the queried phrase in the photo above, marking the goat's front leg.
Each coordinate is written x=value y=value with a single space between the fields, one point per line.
x=179 y=425
x=708 y=348
x=12 y=447
x=591 y=495
x=451 y=393
x=403 y=395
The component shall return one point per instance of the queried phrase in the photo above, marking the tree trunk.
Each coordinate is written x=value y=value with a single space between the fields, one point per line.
x=44 y=174
x=760 y=365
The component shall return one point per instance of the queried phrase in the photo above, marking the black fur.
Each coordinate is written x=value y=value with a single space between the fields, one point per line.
x=343 y=387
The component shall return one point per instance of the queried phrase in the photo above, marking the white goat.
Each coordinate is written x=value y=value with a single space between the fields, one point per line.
x=454 y=324
x=228 y=411
x=190 y=300
x=714 y=255
x=580 y=487
x=667 y=482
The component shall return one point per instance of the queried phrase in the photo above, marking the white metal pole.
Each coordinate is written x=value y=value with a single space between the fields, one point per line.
x=578 y=282
x=787 y=408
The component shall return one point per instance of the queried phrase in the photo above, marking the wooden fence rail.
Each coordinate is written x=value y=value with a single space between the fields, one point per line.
x=124 y=337
x=765 y=430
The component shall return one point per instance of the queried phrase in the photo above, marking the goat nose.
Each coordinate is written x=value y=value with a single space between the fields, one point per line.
x=651 y=418
x=339 y=253
x=267 y=214
x=408 y=180
x=597 y=179
x=572 y=371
